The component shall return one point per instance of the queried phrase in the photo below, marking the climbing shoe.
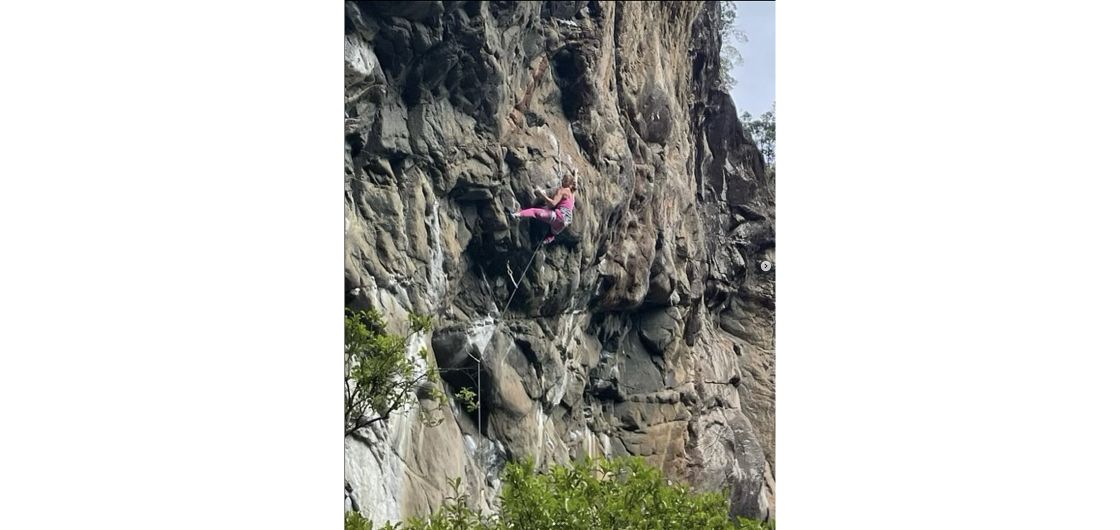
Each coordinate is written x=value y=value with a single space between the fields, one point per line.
x=513 y=216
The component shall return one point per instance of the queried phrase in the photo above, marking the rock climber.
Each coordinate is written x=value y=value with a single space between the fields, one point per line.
x=558 y=215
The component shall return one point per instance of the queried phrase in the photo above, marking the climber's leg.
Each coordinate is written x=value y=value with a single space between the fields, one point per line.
x=556 y=223
x=537 y=213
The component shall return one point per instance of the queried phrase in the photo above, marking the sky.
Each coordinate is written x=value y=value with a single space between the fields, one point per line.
x=754 y=87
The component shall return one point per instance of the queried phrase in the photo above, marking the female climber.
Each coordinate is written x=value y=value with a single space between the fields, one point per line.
x=558 y=215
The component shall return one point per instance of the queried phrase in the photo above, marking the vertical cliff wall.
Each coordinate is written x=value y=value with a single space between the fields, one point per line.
x=645 y=329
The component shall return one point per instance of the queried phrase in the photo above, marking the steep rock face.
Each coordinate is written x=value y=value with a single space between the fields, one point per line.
x=645 y=329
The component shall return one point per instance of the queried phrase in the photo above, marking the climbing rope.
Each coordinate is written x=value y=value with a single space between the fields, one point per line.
x=517 y=284
x=517 y=108
x=482 y=353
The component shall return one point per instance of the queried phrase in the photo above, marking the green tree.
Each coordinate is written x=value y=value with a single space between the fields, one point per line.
x=380 y=376
x=761 y=130
x=729 y=56
x=621 y=494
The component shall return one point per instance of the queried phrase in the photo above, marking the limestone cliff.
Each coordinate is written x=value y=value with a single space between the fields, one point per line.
x=645 y=329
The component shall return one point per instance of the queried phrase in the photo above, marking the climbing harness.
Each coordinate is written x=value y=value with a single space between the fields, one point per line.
x=565 y=214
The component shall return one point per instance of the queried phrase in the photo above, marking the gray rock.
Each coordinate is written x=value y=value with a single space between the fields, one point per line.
x=660 y=328
x=625 y=334
x=407 y=10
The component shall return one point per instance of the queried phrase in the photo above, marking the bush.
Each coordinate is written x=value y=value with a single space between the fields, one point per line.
x=355 y=521
x=621 y=494
x=468 y=398
x=380 y=376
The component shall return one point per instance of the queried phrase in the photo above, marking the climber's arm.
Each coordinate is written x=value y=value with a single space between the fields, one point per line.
x=553 y=201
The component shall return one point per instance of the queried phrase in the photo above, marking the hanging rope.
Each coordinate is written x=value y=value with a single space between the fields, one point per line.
x=517 y=110
x=517 y=284
x=482 y=353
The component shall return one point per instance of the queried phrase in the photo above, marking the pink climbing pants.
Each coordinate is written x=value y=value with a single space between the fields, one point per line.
x=554 y=220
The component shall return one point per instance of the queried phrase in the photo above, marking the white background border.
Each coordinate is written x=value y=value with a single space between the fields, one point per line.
x=171 y=229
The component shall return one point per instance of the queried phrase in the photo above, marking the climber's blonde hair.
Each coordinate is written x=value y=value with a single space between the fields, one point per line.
x=569 y=181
